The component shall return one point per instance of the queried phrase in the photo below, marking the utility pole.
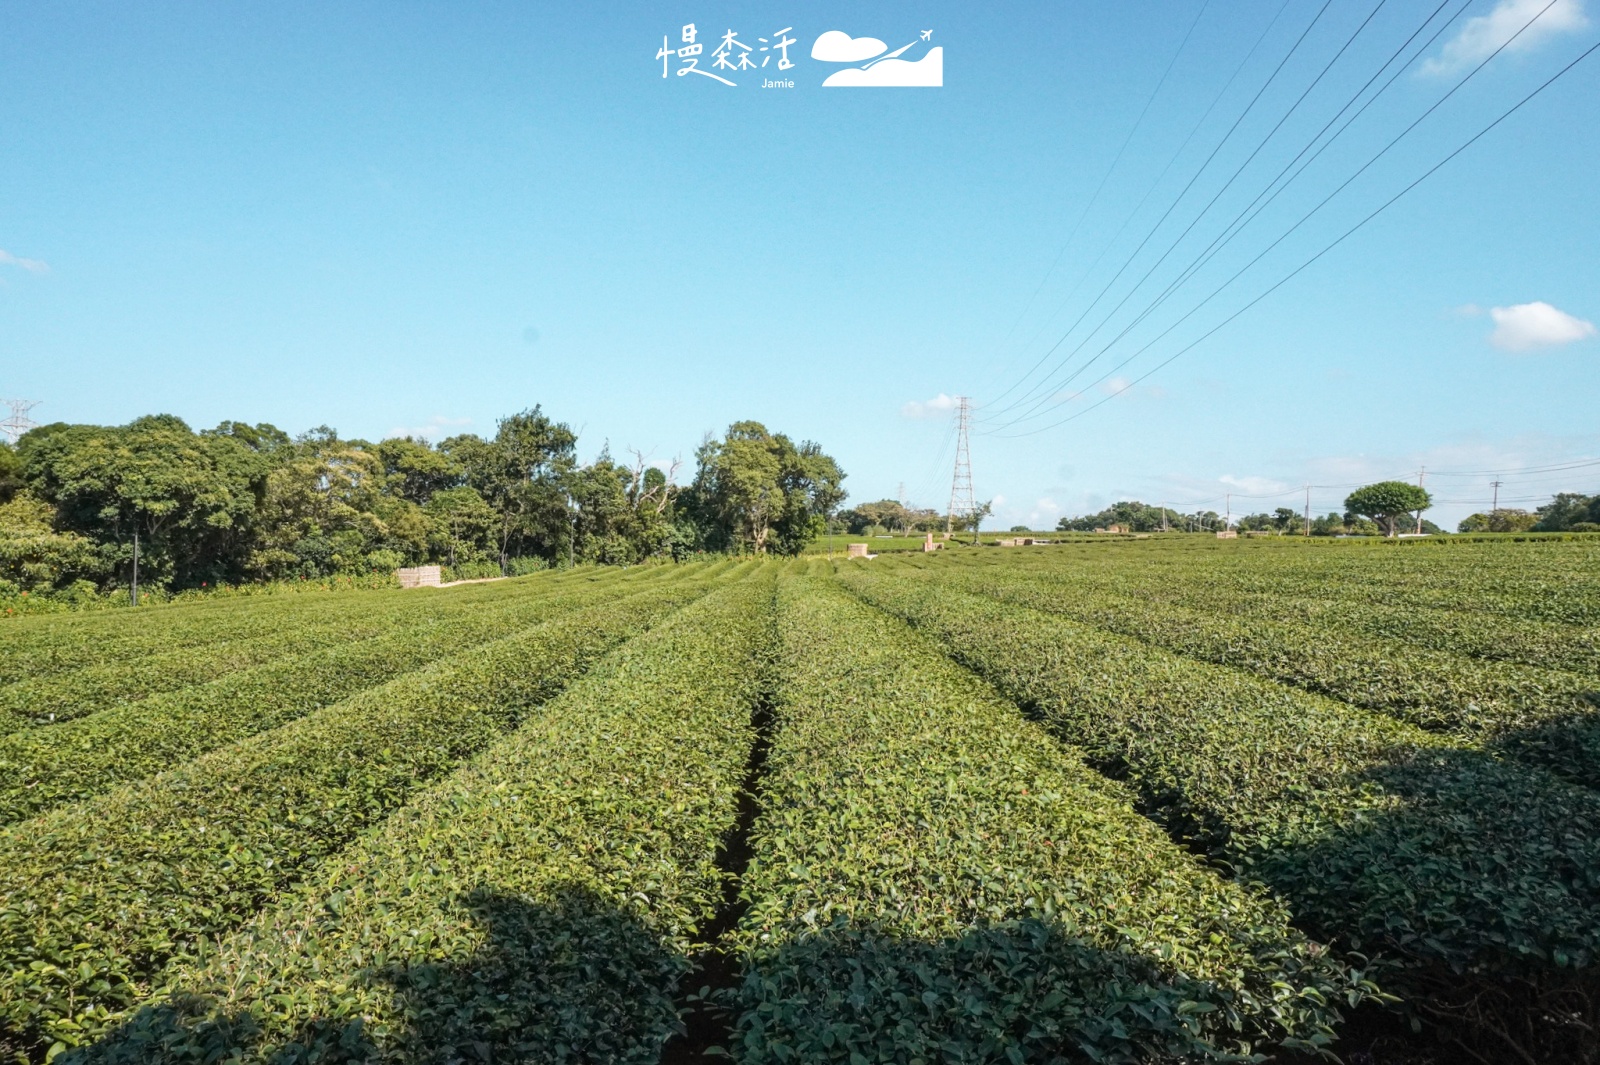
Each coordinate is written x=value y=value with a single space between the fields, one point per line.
x=961 y=501
x=1496 y=504
x=1421 y=473
x=1227 y=520
x=135 y=561
x=1308 y=510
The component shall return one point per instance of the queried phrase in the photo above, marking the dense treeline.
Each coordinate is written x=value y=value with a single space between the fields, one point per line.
x=1566 y=512
x=244 y=503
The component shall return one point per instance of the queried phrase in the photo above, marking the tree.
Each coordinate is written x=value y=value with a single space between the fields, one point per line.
x=10 y=472
x=521 y=474
x=326 y=510
x=979 y=512
x=415 y=470
x=1502 y=520
x=756 y=489
x=33 y=556
x=1567 y=509
x=463 y=524
x=1388 y=503
x=189 y=498
x=1130 y=514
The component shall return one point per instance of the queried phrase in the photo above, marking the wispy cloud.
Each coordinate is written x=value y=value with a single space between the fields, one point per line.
x=1044 y=513
x=33 y=266
x=1255 y=486
x=1527 y=326
x=936 y=407
x=1480 y=36
x=436 y=426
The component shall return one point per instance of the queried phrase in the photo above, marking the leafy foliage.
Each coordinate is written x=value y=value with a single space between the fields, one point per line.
x=934 y=880
x=755 y=490
x=1388 y=503
x=97 y=897
x=1379 y=835
x=44 y=768
x=243 y=503
x=539 y=903
x=1436 y=690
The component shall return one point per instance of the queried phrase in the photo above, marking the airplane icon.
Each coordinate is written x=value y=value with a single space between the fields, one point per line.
x=927 y=35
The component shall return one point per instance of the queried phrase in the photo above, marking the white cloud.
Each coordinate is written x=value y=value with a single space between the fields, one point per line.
x=1044 y=513
x=1526 y=326
x=940 y=404
x=1115 y=385
x=1480 y=36
x=1255 y=486
x=837 y=46
x=33 y=266
x=1469 y=310
x=925 y=73
x=436 y=426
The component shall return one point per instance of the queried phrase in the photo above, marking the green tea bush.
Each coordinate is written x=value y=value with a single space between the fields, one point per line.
x=1487 y=701
x=538 y=904
x=98 y=896
x=38 y=648
x=1469 y=872
x=42 y=768
x=934 y=880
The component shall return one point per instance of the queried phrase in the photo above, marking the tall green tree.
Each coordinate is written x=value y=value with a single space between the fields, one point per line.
x=522 y=475
x=1565 y=510
x=755 y=490
x=1388 y=503
x=326 y=510
x=190 y=498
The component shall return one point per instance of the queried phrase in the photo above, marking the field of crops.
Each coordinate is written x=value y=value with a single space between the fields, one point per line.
x=1162 y=800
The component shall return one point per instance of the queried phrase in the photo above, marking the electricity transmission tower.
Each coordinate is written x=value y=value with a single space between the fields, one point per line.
x=961 y=501
x=18 y=421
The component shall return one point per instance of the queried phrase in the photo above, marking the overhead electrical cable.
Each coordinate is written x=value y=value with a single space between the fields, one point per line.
x=1045 y=383
x=1236 y=226
x=1095 y=196
x=1184 y=191
x=1148 y=192
x=1327 y=248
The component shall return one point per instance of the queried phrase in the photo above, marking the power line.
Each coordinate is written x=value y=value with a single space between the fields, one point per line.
x=1183 y=192
x=1173 y=246
x=1095 y=196
x=1235 y=227
x=1329 y=247
x=1176 y=155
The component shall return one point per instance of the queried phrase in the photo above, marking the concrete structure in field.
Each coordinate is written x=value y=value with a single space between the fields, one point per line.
x=930 y=544
x=1228 y=534
x=857 y=551
x=419 y=577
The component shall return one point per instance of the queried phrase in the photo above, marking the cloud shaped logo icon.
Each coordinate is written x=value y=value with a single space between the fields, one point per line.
x=879 y=69
x=837 y=46
x=926 y=73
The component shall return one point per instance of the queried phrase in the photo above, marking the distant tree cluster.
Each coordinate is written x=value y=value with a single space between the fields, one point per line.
x=1133 y=516
x=886 y=517
x=1385 y=508
x=243 y=503
x=1566 y=512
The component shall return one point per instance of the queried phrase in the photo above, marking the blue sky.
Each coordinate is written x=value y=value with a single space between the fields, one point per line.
x=409 y=217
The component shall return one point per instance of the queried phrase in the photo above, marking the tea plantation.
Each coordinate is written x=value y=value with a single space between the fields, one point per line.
x=1169 y=800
